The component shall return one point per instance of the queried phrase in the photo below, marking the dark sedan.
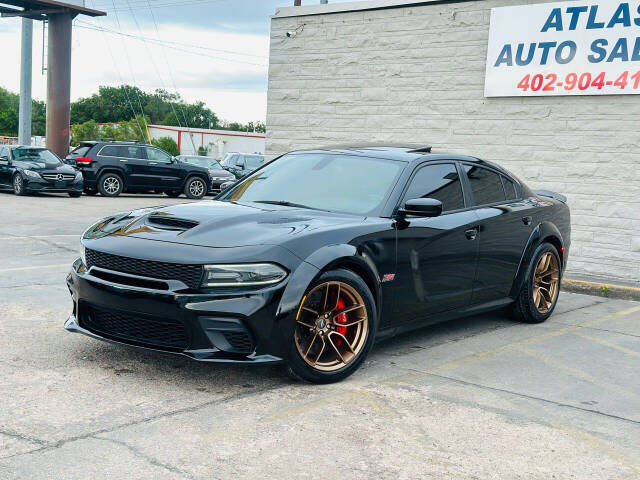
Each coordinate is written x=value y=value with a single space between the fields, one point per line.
x=316 y=255
x=27 y=169
x=217 y=174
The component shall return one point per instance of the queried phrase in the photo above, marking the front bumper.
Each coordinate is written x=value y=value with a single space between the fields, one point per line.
x=32 y=184
x=212 y=327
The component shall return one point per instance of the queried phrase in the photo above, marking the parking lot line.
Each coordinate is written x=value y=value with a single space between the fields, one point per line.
x=628 y=351
x=528 y=341
x=40 y=267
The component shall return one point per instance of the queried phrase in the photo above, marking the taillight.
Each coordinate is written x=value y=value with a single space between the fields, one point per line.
x=85 y=160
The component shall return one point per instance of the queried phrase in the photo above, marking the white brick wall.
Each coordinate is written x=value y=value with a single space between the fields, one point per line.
x=416 y=74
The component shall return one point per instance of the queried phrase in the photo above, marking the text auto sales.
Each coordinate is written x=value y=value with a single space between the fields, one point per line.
x=622 y=49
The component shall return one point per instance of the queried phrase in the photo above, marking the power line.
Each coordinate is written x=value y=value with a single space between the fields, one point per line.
x=171 y=45
x=190 y=45
x=169 y=3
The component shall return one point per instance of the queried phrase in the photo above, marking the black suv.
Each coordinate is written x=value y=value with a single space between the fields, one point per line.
x=111 y=167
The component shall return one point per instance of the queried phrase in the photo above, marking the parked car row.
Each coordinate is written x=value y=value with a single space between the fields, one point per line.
x=113 y=167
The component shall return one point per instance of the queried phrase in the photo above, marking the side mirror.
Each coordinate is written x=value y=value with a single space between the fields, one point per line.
x=421 y=207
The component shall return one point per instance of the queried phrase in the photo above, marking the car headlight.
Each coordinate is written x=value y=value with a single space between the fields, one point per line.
x=31 y=173
x=83 y=253
x=242 y=275
x=78 y=175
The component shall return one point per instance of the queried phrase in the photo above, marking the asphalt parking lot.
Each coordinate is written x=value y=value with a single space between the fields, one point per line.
x=482 y=397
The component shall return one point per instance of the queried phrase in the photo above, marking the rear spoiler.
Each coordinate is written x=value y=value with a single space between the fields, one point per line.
x=550 y=194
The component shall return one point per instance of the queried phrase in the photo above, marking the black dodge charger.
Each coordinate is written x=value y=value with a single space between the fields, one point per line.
x=316 y=255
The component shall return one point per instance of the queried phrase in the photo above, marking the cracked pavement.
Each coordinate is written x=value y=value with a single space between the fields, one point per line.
x=482 y=397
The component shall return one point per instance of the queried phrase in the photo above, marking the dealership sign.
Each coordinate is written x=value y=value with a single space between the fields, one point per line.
x=566 y=48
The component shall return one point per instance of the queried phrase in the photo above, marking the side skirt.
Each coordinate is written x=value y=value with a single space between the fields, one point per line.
x=445 y=317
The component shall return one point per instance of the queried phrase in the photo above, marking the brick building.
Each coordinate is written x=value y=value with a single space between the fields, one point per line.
x=398 y=71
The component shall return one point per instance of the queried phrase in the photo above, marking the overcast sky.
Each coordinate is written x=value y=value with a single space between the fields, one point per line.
x=203 y=33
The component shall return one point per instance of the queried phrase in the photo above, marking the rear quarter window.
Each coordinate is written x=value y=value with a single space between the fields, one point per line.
x=486 y=185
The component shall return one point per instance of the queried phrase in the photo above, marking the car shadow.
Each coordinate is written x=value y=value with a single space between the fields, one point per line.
x=184 y=373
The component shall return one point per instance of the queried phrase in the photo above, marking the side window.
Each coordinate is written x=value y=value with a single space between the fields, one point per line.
x=110 y=151
x=485 y=185
x=440 y=181
x=156 y=155
x=509 y=189
x=133 y=152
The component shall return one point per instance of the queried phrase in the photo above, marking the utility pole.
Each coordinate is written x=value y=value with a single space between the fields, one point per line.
x=26 y=70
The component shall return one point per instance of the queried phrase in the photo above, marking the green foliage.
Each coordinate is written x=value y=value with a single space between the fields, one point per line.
x=203 y=151
x=130 y=130
x=168 y=144
x=9 y=107
x=117 y=105
x=605 y=290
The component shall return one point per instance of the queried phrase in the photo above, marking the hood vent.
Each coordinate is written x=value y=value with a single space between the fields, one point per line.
x=172 y=223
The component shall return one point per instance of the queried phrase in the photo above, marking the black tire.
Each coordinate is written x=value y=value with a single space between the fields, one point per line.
x=18 y=185
x=75 y=194
x=298 y=368
x=110 y=185
x=524 y=308
x=90 y=192
x=195 y=188
x=173 y=194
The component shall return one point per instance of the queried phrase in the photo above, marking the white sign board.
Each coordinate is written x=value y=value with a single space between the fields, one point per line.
x=564 y=48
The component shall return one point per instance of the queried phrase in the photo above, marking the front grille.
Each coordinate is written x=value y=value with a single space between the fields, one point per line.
x=240 y=341
x=54 y=176
x=164 y=333
x=190 y=275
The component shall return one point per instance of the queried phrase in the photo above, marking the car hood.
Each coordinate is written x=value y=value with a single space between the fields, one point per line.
x=43 y=167
x=223 y=224
x=222 y=174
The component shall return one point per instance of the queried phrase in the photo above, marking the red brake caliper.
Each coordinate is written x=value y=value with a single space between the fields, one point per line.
x=342 y=318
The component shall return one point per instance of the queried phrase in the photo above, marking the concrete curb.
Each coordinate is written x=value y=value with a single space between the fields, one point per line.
x=607 y=290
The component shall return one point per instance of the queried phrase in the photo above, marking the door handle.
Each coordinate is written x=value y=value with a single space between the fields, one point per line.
x=471 y=234
x=527 y=220
x=153 y=163
x=123 y=160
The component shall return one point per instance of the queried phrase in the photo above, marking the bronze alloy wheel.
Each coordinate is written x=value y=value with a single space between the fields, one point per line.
x=332 y=326
x=546 y=279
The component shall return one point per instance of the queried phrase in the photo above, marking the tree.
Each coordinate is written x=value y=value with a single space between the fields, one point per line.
x=168 y=144
x=203 y=151
x=9 y=108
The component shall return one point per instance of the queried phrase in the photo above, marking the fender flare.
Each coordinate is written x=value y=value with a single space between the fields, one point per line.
x=338 y=256
x=543 y=231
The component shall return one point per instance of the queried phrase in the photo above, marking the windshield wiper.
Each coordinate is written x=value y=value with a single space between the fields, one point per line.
x=284 y=203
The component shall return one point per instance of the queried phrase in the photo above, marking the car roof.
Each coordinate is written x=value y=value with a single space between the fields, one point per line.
x=406 y=153
x=25 y=146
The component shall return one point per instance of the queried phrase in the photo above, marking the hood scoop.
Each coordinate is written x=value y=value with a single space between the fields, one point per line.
x=166 y=222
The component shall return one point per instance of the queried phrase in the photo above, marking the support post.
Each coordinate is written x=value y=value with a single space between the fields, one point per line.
x=59 y=83
x=26 y=71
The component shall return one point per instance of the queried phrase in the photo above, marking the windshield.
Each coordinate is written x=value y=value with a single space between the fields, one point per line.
x=209 y=163
x=39 y=155
x=323 y=181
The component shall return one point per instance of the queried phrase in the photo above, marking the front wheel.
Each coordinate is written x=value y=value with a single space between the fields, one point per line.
x=110 y=185
x=335 y=328
x=539 y=293
x=195 y=188
x=18 y=185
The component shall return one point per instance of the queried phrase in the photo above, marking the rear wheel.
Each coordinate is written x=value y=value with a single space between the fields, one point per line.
x=335 y=328
x=195 y=188
x=110 y=185
x=539 y=294
x=18 y=185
